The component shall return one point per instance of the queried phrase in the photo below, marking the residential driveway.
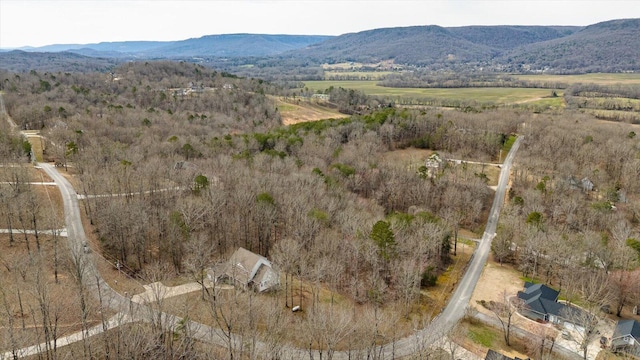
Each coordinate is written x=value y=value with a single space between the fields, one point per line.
x=605 y=327
x=158 y=290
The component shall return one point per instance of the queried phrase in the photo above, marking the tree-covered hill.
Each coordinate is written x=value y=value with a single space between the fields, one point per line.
x=418 y=45
x=610 y=46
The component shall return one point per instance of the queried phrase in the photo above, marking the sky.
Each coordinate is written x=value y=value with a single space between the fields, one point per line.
x=46 y=22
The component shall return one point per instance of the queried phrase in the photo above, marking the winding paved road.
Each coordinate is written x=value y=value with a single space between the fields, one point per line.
x=420 y=340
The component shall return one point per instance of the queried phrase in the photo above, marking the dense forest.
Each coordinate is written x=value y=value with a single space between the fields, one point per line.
x=206 y=167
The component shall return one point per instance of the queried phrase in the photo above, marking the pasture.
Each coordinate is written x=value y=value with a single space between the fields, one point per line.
x=302 y=110
x=494 y=95
x=595 y=78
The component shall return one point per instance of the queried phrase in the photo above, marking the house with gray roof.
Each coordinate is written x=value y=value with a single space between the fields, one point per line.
x=540 y=303
x=626 y=337
x=247 y=270
x=494 y=355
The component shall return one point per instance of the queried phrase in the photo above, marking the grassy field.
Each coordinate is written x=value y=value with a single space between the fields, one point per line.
x=596 y=78
x=296 y=111
x=482 y=95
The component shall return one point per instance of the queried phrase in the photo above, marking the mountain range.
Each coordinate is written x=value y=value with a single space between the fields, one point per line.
x=229 y=45
x=607 y=46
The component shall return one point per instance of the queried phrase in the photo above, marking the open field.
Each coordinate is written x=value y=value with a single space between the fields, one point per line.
x=482 y=95
x=296 y=111
x=412 y=159
x=595 y=78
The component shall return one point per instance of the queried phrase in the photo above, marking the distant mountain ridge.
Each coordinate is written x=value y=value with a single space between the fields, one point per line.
x=228 y=45
x=610 y=46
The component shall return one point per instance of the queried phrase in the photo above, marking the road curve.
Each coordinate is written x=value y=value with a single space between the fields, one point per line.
x=420 y=340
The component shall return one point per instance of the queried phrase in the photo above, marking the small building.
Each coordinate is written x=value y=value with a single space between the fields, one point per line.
x=626 y=337
x=323 y=97
x=494 y=355
x=247 y=270
x=434 y=164
x=585 y=184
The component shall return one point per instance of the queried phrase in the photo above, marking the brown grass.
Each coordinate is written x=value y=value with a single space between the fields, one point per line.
x=411 y=158
x=37 y=145
x=304 y=110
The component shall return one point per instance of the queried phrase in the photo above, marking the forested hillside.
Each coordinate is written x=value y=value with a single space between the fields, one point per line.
x=607 y=47
x=611 y=46
x=213 y=170
x=199 y=164
x=20 y=61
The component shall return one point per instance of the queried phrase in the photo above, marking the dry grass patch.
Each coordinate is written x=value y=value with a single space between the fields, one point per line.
x=494 y=280
x=37 y=145
x=304 y=110
x=410 y=158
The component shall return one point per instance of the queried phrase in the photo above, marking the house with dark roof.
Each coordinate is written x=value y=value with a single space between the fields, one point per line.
x=247 y=270
x=540 y=303
x=494 y=355
x=626 y=337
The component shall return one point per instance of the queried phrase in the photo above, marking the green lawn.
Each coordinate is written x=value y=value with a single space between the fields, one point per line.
x=483 y=335
x=481 y=95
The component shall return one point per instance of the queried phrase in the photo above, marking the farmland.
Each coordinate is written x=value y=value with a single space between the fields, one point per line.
x=595 y=78
x=494 y=95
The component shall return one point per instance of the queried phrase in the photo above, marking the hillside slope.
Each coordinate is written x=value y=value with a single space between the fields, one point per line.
x=609 y=46
x=416 y=45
